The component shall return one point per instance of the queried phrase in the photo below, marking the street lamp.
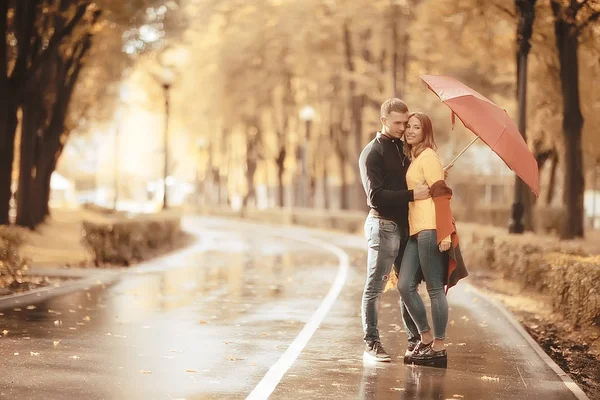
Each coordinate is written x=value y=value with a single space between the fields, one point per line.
x=167 y=76
x=307 y=114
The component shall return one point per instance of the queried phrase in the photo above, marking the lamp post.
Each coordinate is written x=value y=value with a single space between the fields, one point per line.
x=167 y=76
x=307 y=114
x=526 y=10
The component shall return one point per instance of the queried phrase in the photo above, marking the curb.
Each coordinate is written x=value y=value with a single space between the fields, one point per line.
x=87 y=278
x=42 y=294
x=569 y=383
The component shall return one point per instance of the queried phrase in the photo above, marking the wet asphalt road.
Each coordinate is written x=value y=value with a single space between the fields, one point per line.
x=210 y=322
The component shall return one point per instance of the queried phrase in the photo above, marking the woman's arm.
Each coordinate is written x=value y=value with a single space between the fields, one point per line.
x=433 y=171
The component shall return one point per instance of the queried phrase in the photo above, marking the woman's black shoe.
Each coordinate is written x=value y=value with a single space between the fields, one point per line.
x=430 y=357
x=412 y=345
x=419 y=347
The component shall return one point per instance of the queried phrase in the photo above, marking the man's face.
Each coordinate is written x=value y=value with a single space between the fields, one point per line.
x=395 y=124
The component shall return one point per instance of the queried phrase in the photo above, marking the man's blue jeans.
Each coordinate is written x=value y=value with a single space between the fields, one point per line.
x=423 y=258
x=385 y=240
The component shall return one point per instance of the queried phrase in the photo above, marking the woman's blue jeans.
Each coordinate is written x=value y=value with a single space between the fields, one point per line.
x=423 y=259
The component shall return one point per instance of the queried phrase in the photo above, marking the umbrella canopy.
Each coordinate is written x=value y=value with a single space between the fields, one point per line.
x=490 y=123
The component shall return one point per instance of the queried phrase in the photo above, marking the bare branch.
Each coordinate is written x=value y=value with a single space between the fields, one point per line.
x=593 y=18
x=58 y=37
x=506 y=11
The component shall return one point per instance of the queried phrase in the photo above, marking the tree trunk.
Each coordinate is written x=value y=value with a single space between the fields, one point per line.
x=326 y=194
x=8 y=127
x=34 y=117
x=250 y=172
x=567 y=44
x=521 y=213
x=280 y=161
x=26 y=169
x=552 y=181
x=344 y=195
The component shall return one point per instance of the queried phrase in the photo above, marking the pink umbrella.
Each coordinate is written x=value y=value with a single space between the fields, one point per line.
x=490 y=123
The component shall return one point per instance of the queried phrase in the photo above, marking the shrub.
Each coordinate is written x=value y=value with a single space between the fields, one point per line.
x=126 y=241
x=12 y=265
x=562 y=270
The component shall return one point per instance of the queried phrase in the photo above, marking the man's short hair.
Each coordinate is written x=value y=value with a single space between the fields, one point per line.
x=393 y=105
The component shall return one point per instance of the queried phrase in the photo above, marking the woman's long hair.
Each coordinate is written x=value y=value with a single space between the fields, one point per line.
x=413 y=152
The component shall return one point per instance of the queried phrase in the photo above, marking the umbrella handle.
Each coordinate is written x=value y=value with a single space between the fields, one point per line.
x=449 y=166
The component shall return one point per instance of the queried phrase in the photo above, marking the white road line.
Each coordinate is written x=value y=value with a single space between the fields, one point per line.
x=270 y=381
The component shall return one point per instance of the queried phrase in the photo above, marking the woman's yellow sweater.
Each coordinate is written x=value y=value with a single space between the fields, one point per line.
x=425 y=169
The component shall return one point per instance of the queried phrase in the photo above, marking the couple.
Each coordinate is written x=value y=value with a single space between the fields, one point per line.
x=410 y=225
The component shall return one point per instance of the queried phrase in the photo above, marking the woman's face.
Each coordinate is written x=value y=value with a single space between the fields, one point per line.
x=414 y=131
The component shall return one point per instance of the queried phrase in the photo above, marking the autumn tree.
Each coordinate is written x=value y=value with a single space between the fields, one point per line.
x=571 y=18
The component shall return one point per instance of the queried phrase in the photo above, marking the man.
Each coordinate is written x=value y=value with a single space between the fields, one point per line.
x=383 y=166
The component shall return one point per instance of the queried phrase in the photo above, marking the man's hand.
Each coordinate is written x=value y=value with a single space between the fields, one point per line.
x=444 y=246
x=421 y=192
x=446 y=169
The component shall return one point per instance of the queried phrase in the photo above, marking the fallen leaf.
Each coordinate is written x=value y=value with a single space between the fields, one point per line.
x=33 y=353
x=490 y=378
x=56 y=342
x=202 y=322
x=31 y=307
x=5 y=332
x=86 y=318
x=452 y=323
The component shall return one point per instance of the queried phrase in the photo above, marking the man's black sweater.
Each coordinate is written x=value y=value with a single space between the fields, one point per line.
x=383 y=166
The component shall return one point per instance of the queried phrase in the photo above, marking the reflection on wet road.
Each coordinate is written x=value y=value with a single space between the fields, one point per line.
x=209 y=323
x=210 y=326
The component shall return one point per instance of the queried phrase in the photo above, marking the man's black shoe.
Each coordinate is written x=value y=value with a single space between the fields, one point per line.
x=374 y=351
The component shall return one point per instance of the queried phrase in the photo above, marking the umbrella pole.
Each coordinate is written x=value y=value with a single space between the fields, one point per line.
x=449 y=166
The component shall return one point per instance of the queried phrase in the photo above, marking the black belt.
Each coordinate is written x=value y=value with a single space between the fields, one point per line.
x=375 y=214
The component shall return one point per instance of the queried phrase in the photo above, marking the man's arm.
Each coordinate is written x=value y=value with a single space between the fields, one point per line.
x=372 y=175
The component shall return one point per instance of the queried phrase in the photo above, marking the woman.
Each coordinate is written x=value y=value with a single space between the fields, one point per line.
x=432 y=234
